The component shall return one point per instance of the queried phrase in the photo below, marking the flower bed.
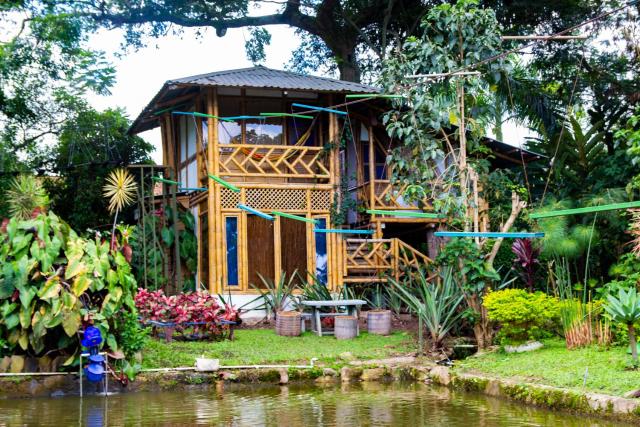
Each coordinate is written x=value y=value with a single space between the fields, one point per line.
x=195 y=315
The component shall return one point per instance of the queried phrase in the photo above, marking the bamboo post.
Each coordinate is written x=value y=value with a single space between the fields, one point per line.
x=176 y=239
x=212 y=149
x=143 y=217
x=153 y=231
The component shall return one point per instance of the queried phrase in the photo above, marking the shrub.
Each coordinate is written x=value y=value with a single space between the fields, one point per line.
x=200 y=308
x=52 y=282
x=521 y=315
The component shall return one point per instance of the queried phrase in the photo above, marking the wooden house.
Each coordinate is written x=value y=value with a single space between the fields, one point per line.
x=302 y=166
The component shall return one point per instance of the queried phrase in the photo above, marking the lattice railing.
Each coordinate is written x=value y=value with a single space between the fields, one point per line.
x=374 y=260
x=282 y=161
x=409 y=258
x=391 y=196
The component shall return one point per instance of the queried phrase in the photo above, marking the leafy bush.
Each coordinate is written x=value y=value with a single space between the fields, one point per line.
x=521 y=315
x=131 y=335
x=192 y=307
x=52 y=282
x=625 y=308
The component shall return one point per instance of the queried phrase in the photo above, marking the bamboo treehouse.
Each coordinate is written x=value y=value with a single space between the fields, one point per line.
x=285 y=172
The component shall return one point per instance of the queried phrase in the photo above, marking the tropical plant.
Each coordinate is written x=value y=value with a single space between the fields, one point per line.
x=26 y=197
x=276 y=296
x=198 y=312
x=435 y=305
x=376 y=298
x=120 y=190
x=521 y=315
x=53 y=282
x=526 y=261
x=625 y=308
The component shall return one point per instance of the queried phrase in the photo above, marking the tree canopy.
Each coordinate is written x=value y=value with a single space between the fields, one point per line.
x=355 y=35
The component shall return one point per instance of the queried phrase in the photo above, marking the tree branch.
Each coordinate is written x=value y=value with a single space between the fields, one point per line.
x=516 y=207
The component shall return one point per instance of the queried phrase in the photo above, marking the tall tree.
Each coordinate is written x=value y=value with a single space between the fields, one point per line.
x=45 y=65
x=354 y=34
x=91 y=145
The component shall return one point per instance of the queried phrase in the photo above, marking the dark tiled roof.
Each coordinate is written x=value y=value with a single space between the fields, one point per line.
x=263 y=77
x=254 y=77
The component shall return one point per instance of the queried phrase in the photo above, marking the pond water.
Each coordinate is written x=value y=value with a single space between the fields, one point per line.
x=294 y=405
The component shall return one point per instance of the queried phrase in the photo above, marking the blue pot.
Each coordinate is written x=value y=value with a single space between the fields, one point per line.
x=94 y=372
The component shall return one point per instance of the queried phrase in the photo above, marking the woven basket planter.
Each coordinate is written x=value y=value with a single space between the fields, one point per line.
x=288 y=323
x=346 y=327
x=379 y=322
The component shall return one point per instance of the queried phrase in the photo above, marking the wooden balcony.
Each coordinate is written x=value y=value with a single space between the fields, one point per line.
x=375 y=260
x=274 y=161
x=382 y=194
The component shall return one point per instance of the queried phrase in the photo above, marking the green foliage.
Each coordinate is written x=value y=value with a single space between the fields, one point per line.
x=276 y=296
x=90 y=145
x=255 y=45
x=624 y=307
x=521 y=315
x=470 y=268
x=130 y=335
x=25 y=195
x=45 y=65
x=51 y=279
x=451 y=37
x=160 y=223
x=436 y=305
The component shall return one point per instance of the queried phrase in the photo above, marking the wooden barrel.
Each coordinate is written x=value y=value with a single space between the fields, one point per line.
x=288 y=323
x=346 y=327
x=379 y=322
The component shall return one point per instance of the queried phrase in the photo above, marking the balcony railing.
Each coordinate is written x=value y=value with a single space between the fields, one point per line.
x=273 y=161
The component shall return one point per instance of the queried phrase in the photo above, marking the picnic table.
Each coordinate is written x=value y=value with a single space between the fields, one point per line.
x=352 y=306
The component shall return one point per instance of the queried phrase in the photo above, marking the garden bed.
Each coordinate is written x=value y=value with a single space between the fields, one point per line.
x=554 y=365
x=263 y=346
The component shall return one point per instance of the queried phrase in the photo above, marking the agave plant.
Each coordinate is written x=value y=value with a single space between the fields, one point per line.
x=275 y=296
x=436 y=305
x=25 y=196
x=625 y=308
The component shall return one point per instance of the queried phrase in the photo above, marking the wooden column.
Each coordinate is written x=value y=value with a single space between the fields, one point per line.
x=212 y=209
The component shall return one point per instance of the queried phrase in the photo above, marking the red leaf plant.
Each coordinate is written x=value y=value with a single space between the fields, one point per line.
x=526 y=261
x=184 y=310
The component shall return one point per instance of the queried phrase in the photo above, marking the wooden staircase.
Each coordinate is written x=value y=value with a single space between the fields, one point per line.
x=377 y=260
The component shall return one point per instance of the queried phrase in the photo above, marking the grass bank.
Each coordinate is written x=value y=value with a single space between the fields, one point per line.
x=263 y=346
x=555 y=365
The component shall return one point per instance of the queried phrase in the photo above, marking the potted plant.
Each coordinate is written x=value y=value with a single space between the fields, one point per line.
x=276 y=297
x=378 y=317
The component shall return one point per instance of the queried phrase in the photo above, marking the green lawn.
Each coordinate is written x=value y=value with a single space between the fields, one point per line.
x=557 y=366
x=263 y=346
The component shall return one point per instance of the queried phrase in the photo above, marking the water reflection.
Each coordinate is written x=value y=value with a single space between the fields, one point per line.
x=294 y=405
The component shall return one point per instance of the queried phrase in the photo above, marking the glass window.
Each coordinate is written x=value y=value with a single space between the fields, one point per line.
x=264 y=132
x=322 y=270
x=229 y=132
x=231 y=223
